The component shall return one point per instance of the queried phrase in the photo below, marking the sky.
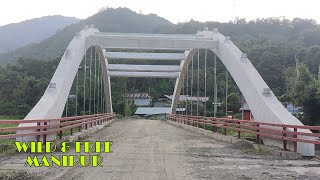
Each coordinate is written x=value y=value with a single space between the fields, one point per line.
x=13 y=11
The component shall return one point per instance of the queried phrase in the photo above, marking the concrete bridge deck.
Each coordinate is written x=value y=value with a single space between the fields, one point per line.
x=150 y=149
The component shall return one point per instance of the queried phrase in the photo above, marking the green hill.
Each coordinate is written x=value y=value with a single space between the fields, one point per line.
x=111 y=20
x=273 y=46
x=34 y=31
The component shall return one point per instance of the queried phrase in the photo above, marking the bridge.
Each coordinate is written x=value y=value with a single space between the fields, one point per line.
x=174 y=54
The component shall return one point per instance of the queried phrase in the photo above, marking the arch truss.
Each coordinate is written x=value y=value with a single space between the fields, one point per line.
x=261 y=100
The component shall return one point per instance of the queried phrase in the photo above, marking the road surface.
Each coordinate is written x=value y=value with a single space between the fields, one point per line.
x=150 y=149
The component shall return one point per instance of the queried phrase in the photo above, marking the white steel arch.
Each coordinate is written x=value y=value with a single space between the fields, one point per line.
x=262 y=102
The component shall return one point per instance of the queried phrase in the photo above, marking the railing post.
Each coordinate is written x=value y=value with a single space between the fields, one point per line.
x=284 y=141
x=60 y=133
x=45 y=135
x=38 y=136
x=193 y=121
x=239 y=132
x=258 y=136
x=198 y=121
x=295 y=143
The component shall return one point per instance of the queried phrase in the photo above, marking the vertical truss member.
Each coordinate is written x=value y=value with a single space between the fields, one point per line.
x=90 y=79
x=198 y=83
x=191 y=85
x=95 y=81
x=215 y=87
x=205 y=82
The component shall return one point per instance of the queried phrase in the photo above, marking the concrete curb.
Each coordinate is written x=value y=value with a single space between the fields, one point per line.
x=232 y=140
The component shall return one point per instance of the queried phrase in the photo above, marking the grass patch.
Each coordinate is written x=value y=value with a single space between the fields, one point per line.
x=260 y=150
x=9 y=118
x=235 y=133
x=2 y=117
x=7 y=147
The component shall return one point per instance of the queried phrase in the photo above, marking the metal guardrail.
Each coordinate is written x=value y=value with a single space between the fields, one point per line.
x=46 y=127
x=283 y=132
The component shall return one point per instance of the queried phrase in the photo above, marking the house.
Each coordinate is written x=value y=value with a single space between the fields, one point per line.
x=156 y=112
x=202 y=100
x=139 y=99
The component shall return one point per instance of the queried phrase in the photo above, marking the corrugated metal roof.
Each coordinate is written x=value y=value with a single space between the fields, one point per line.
x=138 y=95
x=155 y=110
x=188 y=98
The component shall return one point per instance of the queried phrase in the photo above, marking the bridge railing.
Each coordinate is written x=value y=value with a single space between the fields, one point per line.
x=46 y=127
x=282 y=132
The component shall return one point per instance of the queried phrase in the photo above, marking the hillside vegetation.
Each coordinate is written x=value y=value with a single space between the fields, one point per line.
x=274 y=45
x=111 y=20
x=16 y=35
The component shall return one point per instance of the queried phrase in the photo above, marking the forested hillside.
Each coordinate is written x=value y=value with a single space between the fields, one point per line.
x=111 y=20
x=16 y=35
x=273 y=45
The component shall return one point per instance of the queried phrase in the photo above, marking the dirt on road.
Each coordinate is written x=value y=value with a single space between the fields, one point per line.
x=150 y=149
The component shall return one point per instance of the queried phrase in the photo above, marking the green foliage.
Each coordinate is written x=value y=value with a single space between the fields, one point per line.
x=271 y=44
x=127 y=109
x=7 y=147
x=303 y=91
x=23 y=84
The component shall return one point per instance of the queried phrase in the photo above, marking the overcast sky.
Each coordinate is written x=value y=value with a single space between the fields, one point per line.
x=12 y=11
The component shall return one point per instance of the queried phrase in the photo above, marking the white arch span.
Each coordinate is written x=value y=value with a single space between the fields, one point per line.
x=262 y=102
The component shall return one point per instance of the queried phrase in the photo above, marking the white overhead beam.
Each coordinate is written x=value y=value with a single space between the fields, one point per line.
x=172 y=36
x=161 y=43
x=145 y=56
x=144 y=74
x=145 y=68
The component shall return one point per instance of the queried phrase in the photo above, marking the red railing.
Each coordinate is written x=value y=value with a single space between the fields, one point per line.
x=282 y=132
x=46 y=127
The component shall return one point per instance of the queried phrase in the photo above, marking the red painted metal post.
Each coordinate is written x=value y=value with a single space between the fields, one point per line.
x=284 y=141
x=60 y=134
x=198 y=121
x=258 y=136
x=295 y=143
x=239 y=133
x=45 y=135
x=38 y=136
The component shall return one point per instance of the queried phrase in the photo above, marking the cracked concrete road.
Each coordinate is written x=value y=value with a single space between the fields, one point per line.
x=149 y=149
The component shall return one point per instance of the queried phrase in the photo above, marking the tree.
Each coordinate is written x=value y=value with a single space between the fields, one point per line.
x=303 y=91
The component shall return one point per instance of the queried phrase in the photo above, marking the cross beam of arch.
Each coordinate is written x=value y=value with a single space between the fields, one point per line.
x=261 y=100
